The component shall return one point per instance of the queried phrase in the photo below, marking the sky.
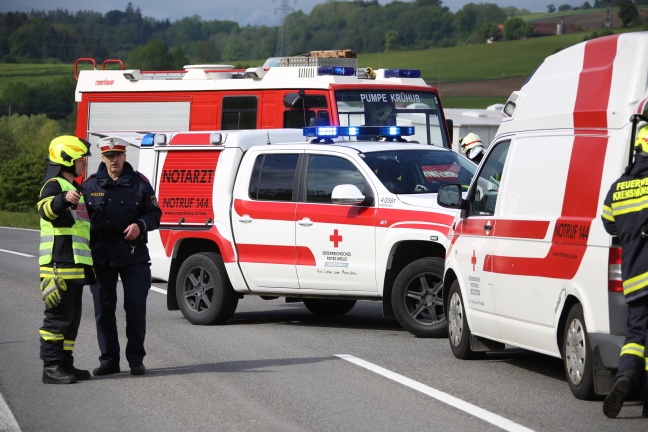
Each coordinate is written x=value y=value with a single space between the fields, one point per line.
x=253 y=12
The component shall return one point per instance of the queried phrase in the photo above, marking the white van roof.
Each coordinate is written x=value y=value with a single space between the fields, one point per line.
x=609 y=75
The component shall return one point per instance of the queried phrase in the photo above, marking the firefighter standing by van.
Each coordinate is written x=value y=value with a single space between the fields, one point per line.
x=122 y=207
x=625 y=214
x=472 y=147
x=65 y=260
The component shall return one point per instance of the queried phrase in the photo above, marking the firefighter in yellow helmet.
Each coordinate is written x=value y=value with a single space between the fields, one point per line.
x=65 y=260
x=472 y=147
x=625 y=215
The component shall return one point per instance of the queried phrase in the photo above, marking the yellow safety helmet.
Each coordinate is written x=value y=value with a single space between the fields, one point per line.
x=469 y=141
x=65 y=149
x=641 y=142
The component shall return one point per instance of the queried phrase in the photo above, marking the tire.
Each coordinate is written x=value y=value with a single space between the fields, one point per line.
x=577 y=355
x=458 y=328
x=204 y=293
x=327 y=307
x=417 y=298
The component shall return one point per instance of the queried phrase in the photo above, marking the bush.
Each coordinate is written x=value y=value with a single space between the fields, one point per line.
x=24 y=140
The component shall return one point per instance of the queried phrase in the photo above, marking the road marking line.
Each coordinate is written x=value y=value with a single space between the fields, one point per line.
x=160 y=290
x=467 y=407
x=8 y=422
x=16 y=253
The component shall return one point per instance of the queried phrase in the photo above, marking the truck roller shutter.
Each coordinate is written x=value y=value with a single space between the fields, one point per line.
x=117 y=117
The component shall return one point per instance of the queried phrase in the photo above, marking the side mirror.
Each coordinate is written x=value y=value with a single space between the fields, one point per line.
x=449 y=196
x=293 y=100
x=347 y=194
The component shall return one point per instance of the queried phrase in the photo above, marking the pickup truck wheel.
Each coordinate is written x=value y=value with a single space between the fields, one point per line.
x=577 y=355
x=417 y=298
x=328 y=307
x=204 y=292
x=458 y=328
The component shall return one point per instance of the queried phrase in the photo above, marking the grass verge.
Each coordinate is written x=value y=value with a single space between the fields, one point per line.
x=19 y=220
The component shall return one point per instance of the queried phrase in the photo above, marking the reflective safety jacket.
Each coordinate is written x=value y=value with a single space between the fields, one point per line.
x=65 y=232
x=625 y=212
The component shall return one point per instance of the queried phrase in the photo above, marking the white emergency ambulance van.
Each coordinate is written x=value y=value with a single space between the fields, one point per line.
x=528 y=262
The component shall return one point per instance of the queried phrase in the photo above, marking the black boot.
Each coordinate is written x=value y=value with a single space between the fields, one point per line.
x=68 y=366
x=614 y=401
x=644 y=411
x=56 y=374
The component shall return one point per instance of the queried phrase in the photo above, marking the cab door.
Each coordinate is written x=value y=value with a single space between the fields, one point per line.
x=476 y=243
x=263 y=220
x=336 y=246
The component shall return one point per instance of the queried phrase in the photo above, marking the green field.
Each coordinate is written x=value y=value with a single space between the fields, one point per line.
x=464 y=63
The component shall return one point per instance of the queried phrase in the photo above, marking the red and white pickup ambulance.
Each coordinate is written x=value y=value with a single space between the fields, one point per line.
x=325 y=220
x=324 y=88
x=529 y=263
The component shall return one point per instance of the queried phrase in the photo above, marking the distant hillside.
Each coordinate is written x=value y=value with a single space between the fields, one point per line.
x=593 y=20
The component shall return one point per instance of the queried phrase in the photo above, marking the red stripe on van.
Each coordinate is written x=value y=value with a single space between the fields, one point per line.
x=580 y=202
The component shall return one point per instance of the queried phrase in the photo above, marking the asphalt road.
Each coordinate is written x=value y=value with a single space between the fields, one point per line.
x=275 y=367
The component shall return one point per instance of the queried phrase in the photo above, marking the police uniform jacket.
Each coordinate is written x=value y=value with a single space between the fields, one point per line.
x=114 y=205
x=625 y=212
x=57 y=211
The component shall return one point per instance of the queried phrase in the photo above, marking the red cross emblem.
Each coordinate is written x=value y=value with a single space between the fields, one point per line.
x=335 y=238
x=473 y=260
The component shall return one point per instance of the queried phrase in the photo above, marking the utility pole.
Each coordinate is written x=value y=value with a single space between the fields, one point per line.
x=608 y=18
x=284 y=9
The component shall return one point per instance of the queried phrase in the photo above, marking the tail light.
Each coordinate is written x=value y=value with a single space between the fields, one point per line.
x=615 y=281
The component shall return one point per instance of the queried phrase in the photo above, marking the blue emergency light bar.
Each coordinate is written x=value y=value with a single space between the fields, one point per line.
x=336 y=70
x=147 y=140
x=349 y=131
x=402 y=73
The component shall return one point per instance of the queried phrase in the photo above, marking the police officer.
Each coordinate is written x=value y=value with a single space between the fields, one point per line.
x=122 y=207
x=625 y=215
x=65 y=260
x=472 y=147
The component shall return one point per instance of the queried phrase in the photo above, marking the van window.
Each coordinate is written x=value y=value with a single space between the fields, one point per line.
x=239 y=112
x=326 y=172
x=273 y=177
x=484 y=196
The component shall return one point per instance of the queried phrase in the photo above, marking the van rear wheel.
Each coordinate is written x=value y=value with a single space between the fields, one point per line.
x=458 y=328
x=417 y=298
x=577 y=355
x=204 y=293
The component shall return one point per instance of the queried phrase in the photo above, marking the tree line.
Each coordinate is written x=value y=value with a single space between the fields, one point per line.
x=361 y=25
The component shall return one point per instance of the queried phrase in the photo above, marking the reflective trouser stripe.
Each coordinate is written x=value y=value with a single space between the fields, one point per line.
x=50 y=337
x=68 y=345
x=635 y=283
x=633 y=349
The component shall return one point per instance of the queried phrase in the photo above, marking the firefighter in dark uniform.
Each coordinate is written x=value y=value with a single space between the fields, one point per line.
x=65 y=260
x=122 y=207
x=625 y=214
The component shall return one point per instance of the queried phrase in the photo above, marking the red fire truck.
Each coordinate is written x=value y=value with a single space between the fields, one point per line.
x=323 y=88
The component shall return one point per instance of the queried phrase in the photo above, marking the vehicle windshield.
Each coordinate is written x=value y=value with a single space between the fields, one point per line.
x=394 y=108
x=421 y=170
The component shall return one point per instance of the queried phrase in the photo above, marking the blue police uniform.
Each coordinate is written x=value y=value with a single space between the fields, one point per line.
x=114 y=205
